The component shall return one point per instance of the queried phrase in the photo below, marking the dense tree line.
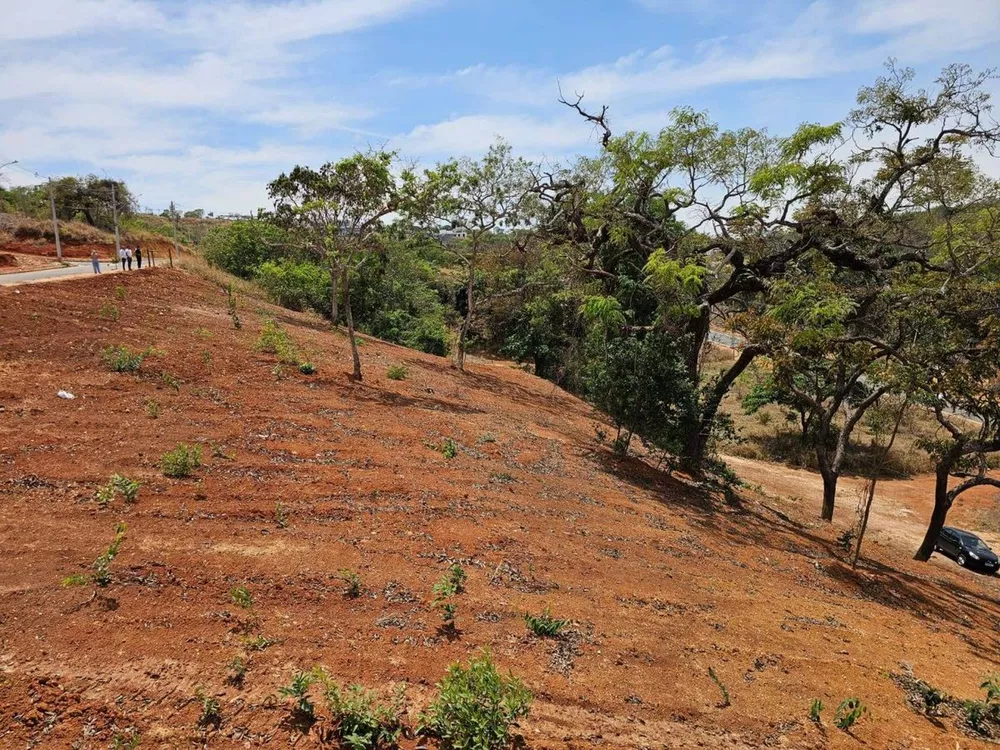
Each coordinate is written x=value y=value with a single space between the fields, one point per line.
x=856 y=261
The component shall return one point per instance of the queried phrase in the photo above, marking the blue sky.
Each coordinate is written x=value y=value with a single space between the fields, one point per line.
x=204 y=102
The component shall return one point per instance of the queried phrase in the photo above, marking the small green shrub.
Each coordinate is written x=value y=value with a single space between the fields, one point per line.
x=444 y=592
x=181 y=461
x=722 y=687
x=476 y=706
x=298 y=691
x=234 y=315
x=396 y=372
x=352 y=583
x=449 y=449
x=545 y=625
x=170 y=381
x=281 y=516
x=120 y=293
x=815 y=708
x=259 y=642
x=101 y=567
x=122 y=359
x=457 y=576
x=360 y=720
x=307 y=368
x=237 y=667
x=849 y=712
x=108 y=311
x=118 y=485
x=211 y=715
x=275 y=340
x=152 y=409
x=241 y=597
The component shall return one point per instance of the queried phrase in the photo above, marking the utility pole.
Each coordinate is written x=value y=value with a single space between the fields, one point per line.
x=173 y=215
x=55 y=221
x=114 y=211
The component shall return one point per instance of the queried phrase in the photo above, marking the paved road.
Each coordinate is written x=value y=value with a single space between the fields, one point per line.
x=74 y=269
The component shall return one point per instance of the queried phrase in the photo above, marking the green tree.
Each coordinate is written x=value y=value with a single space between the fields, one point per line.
x=336 y=214
x=241 y=246
x=754 y=205
x=478 y=208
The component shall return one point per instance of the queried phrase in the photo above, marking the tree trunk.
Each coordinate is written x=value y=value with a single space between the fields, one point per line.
x=696 y=444
x=334 y=309
x=829 y=493
x=350 y=326
x=460 y=356
x=942 y=504
x=698 y=329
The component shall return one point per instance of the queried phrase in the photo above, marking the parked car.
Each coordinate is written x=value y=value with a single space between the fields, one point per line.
x=967 y=549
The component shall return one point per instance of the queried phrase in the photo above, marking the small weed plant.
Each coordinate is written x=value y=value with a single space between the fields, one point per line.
x=307 y=368
x=109 y=311
x=237 y=667
x=181 y=461
x=457 y=576
x=170 y=381
x=275 y=340
x=360 y=721
x=849 y=713
x=983 y=717
x=815 y=709
x=444 y=599
x=545 y=625
x=118 y=485
x=722 y=687
x=241 y=597
x=352 y=584
x=122 y=359
x=396 y=372
x=259 y=642
x=234 y=315
x=298 y=691
x=120 y=293
x=477 y=706
x=153 y=409
x=449 y=449
x=281 y=516
x=211 y=709
x=100 y=569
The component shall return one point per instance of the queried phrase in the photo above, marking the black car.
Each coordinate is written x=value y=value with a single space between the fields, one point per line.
x=967 y=549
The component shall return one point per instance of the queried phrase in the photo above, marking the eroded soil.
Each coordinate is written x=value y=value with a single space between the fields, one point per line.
x=661 y=580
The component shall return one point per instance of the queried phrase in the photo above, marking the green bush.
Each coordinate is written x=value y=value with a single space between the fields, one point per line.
x=241 y=246
x=642 y=384
x=360 y=721
x=307 y=368
x=449 y=449
x=122 y=359
x=849 y=712
x=127 y=488
x=275 y=340
x=545 y=625
x=396 y=372
x=476 y=706
x=101 y=567
x=297 y=285
x=181 y=461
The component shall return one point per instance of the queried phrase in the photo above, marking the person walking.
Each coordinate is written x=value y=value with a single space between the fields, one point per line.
x=95 y=260
x=121 y=257
x=128 y=257
x=138 y=256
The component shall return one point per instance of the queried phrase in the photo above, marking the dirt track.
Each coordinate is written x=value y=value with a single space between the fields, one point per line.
x=661 y=581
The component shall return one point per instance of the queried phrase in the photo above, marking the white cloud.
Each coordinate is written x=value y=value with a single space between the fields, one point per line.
x=48 y=19
x=473 y=134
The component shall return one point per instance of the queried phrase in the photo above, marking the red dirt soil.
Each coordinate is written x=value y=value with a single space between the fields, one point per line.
x=661 y=580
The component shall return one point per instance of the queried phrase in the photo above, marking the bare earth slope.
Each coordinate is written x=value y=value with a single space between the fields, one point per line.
x=660 y=581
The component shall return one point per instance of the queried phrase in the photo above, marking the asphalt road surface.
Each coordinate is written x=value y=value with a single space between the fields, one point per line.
x=74 y=269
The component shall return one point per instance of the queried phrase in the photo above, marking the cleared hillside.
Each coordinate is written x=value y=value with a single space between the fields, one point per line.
x=660 y=581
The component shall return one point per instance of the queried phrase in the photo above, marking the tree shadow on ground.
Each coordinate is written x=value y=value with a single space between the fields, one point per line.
x=976 y=615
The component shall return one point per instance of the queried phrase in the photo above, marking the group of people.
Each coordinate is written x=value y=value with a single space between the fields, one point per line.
x=125 y=257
